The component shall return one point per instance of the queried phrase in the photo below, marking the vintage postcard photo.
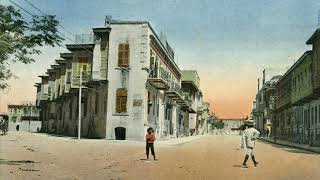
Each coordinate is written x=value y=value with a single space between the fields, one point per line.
x=159 y=89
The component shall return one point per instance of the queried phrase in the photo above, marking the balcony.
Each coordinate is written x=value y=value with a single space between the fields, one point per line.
x=184 y=103
x=93 y=83
x=75 y=80
x=192 y=108
x=159 y=81
x=43 y=96
x=187 y=84
x=174 y=92
x=187 y=104
x=200 y=109
x=67 y=56
x=82 y=47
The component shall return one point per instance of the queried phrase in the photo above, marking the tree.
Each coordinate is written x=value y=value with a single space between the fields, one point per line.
x=19 y=39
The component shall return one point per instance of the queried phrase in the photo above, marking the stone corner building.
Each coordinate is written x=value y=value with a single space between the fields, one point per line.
x=130 y=82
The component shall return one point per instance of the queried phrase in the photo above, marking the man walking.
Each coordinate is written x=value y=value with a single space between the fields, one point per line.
x=150 y=138
x=248 y=141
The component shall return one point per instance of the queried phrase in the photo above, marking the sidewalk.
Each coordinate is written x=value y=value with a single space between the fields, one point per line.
x=162 y=142
x=291 y=144
x=179 y=141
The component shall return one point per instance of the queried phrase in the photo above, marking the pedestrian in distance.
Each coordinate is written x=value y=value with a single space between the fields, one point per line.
x=248 y=141
x=267 y=132
x=150 y=138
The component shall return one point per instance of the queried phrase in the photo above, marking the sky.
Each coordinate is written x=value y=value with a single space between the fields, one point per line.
x=229 y=42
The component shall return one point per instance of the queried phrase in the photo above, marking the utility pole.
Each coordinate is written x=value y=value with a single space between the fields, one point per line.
x=79 y=115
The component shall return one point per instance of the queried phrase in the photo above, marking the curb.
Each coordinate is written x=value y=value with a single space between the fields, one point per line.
x=314 y=150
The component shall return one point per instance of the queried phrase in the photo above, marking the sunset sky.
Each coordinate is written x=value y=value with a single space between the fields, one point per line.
x=229 y=42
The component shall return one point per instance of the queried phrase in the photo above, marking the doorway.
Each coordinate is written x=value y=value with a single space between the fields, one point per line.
x=120 y=133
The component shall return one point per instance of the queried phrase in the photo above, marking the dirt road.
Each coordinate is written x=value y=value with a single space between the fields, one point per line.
x=39 y=156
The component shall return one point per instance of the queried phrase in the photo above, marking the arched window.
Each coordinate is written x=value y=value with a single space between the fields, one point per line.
x=121 y=100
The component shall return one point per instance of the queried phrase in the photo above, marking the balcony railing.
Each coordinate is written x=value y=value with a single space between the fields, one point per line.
x=200 y=109
x=159 y=81
x=84 y=39
x=175 y=92
x=75 y=83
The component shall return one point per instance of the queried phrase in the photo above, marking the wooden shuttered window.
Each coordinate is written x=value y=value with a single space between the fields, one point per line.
x=123 y=54
x=121 y=100
x=83 y=62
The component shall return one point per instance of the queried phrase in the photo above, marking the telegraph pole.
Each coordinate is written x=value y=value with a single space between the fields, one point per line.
x=79 y=115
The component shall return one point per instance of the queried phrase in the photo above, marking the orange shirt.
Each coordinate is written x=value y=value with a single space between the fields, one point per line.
x=150 y=138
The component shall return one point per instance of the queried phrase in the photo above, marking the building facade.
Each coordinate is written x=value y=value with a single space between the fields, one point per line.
x=190 y=83
x=130 y=82
x=297 y=100
x=292 y=101
x=301 y=95
x=231 y=126
x=314 y=40
x=25 y=115
x=263 y=110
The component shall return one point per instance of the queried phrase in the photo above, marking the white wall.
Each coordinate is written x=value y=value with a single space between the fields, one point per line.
x=138 y=39
x=25 y=126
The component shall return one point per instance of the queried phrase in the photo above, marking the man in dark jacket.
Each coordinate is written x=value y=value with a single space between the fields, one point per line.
x=150 y=138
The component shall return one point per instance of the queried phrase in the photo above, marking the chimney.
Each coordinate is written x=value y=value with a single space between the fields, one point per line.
x=258 y=84
x=264 y=77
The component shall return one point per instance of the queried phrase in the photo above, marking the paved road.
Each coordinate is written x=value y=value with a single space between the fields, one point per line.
x=39 y=156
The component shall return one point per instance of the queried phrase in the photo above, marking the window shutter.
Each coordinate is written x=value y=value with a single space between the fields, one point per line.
x=123 y=55
x=126 y=54
x=118 y=104
x=126 y=58
x=119 y=54
x=121 y=100
x=124 y=104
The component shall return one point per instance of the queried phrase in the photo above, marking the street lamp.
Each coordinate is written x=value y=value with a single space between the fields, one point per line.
x=274 y=106
x=79 y=115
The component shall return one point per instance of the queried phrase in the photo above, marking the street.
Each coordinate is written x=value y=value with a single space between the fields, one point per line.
x=41 y=156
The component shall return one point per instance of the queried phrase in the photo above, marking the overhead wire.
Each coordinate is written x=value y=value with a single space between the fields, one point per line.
x=35 y=7
x=61 y=33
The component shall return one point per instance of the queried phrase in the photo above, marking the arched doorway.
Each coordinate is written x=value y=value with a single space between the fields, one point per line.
x=120 y=133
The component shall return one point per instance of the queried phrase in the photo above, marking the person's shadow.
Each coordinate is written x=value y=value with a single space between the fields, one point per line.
x=236 y=165
x=144 y=159
x=148 y=159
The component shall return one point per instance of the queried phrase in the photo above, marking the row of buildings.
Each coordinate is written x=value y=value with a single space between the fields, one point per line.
x=129 y=82
x=25 y=115
x=289 y=105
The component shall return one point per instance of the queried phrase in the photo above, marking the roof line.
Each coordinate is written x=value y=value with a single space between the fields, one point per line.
x=295 y=65
x=153 y=31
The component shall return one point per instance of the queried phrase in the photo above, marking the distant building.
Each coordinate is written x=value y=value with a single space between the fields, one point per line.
x=204 y=119
x=263 y=106
x=190 y=84
x=231 y=125
x=25 y=115
x=295 y=104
